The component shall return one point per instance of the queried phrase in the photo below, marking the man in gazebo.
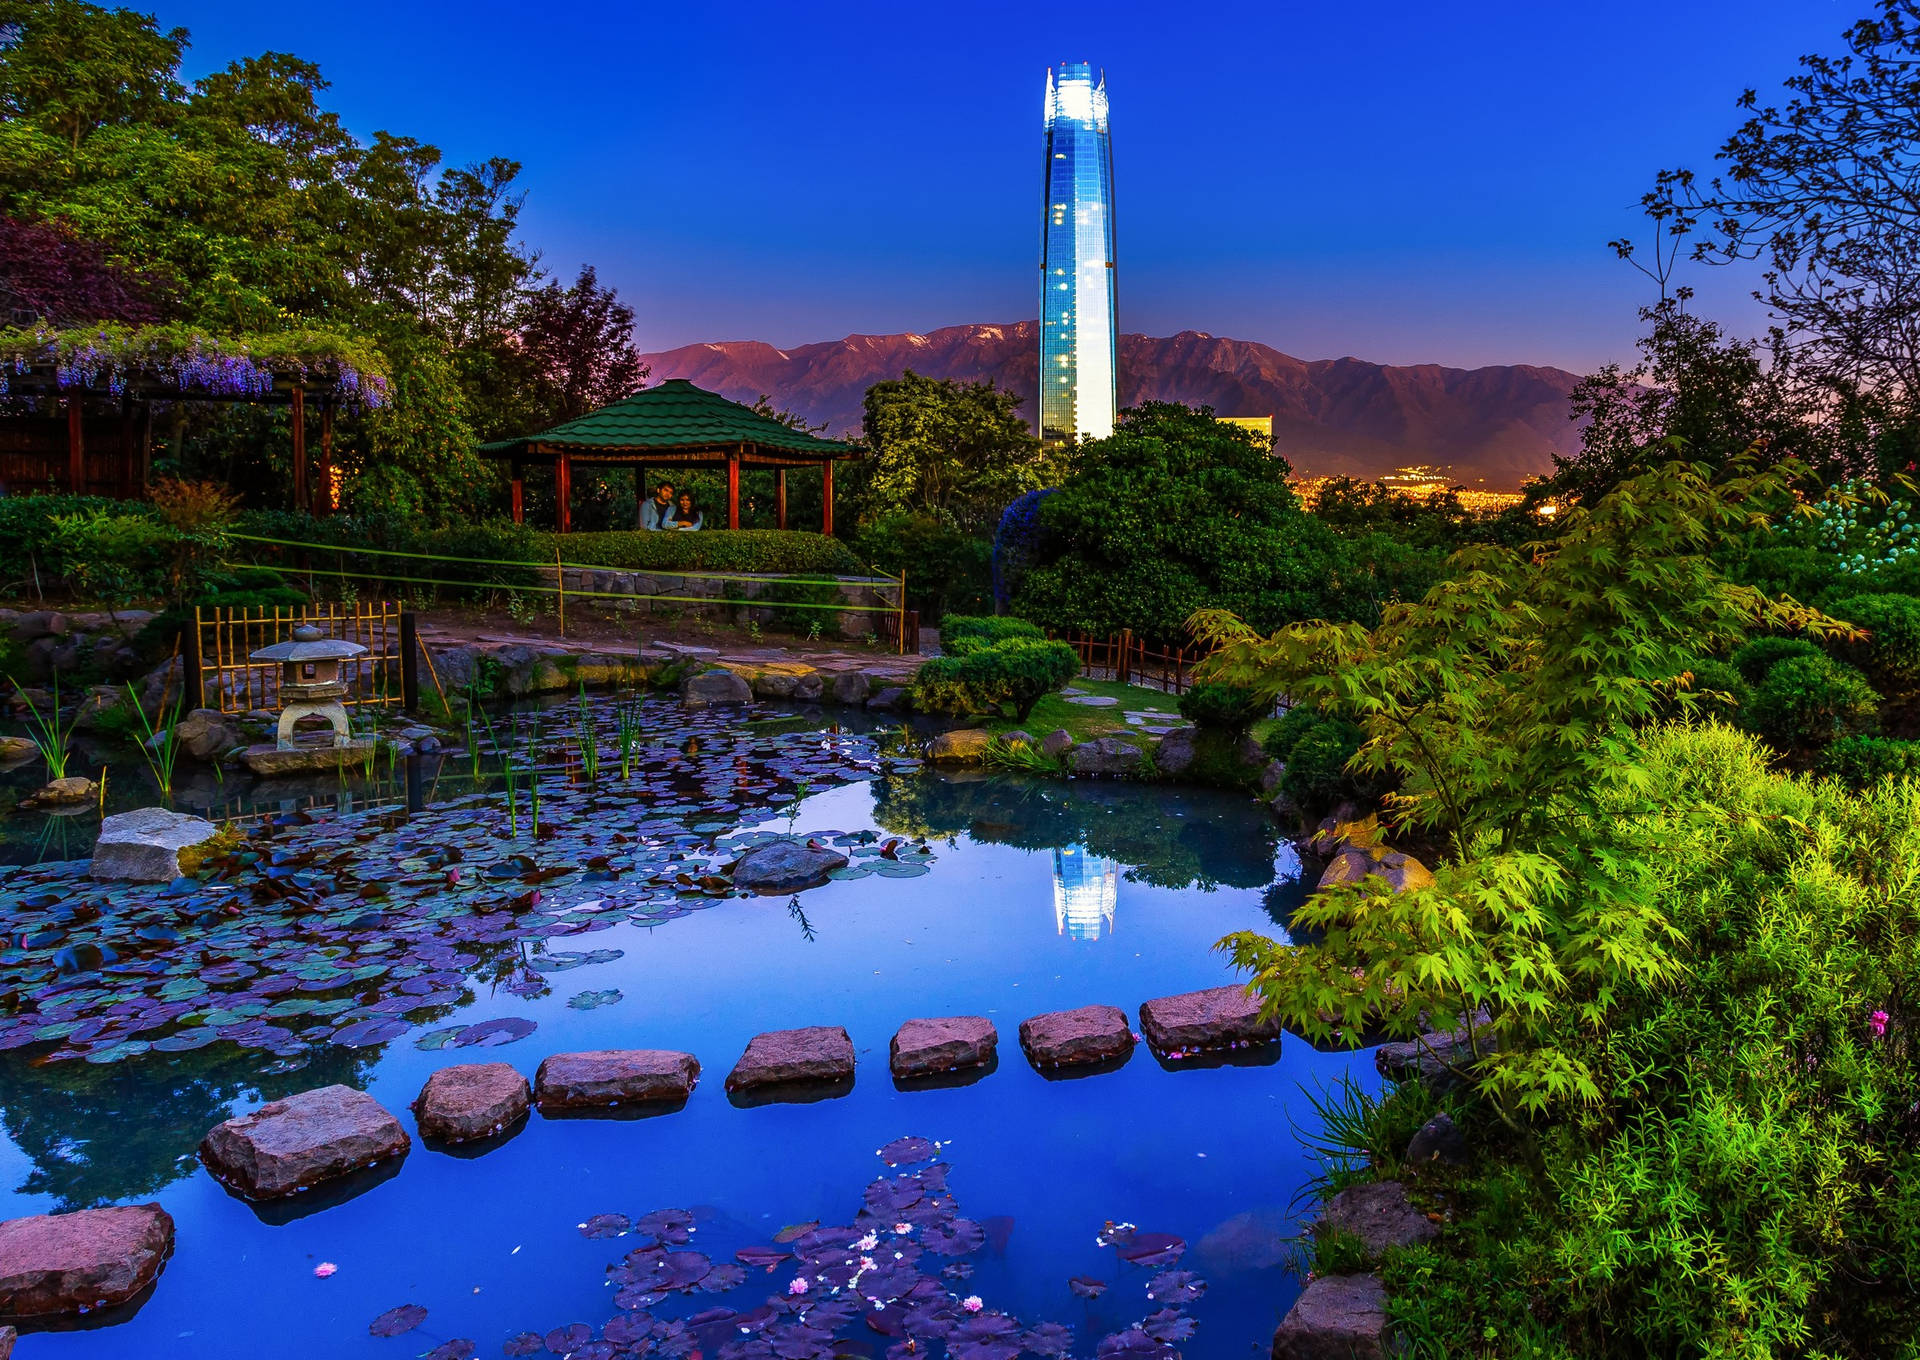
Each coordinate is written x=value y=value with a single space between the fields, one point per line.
x=657 y=513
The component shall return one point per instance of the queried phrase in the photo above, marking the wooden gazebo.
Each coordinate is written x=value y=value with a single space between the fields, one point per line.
x=674 y=424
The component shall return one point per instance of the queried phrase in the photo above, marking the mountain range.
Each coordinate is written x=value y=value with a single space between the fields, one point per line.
x=1492 y=427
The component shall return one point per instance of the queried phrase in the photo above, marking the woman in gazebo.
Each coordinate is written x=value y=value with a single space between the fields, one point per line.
x=686 y=515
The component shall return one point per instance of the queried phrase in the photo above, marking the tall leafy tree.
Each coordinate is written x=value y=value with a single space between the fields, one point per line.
x=957 y=452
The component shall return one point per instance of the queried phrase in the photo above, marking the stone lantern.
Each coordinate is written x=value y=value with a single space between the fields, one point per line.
x=310 y=682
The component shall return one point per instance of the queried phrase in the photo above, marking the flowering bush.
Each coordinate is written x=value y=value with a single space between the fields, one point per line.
x=112 y=355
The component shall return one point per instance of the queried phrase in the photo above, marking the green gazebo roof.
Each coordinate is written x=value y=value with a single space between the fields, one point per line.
x=676 y=419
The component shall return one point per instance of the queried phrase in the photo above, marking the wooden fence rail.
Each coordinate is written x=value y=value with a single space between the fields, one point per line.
x=1129 y=660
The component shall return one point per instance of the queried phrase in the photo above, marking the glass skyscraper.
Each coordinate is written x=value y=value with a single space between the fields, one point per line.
x=1077 y=333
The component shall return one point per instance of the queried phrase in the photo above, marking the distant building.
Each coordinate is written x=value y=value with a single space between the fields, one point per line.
x=1078 y=332
x=1086 y=889
x=1258 y=424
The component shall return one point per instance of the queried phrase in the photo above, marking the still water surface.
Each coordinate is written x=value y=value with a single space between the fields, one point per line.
x=1040 y=896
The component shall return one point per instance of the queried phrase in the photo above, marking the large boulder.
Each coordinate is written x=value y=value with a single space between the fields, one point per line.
x=1077 y=1038
x=1379 y=1214
x=774 y=684
x=205 y=735
x=42 y=623
x=1207 y=1021
x=7 y=1337
x=786 y=866
x=599 y=1078
x=1438 y=1142
x=819 y=1053
x=1437 y=1058
x=143 y=846
x=1105 y=758
x=850 y=687
x=808 y=688
x=1175 y=754
x=294 y=1144
x=100 y=701
x=889 y=699
x=711 y=688
x=470 y=1100
x=962 y=746
x=924 y=1048
x=1056 y=743
x=1353 y=864
x=16 y=749
x=1270 y=777
x=1336 y=1317
x=56 y=1265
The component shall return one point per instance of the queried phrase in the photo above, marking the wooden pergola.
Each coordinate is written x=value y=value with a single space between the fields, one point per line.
x=109 y=452
x=674 y=424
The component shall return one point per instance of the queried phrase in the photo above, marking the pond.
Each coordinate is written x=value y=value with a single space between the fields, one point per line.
x=373 y=946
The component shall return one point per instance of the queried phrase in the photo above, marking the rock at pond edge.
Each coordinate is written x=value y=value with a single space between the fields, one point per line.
x=786 y=865
x=144 y=845
x=1336 y=1317
x=1206 y=1021
x=1379 y=1214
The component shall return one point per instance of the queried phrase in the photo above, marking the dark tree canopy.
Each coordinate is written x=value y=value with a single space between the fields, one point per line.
x=48 y=274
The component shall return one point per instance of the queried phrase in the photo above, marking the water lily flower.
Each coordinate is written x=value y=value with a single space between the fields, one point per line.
x=866 y=1264
x=972 y=1303
x=903 y=1228
x=799 y=1285
x=867 y=1243
x=324 y=1269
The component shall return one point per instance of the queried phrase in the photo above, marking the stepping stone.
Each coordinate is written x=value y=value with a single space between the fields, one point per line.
x=58 y=1265
x=598 y=1078
x=1093 y=700
x=296 y=1143
x=1343 y=1316
x=1200 y=1022
x=925 y=1048
x=784 y=866
x=821 y=1053
x=470 y=1101
x=1379 y=1214
x=1077 y=1038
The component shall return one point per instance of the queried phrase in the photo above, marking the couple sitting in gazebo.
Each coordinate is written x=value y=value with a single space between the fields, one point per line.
x=663 y=512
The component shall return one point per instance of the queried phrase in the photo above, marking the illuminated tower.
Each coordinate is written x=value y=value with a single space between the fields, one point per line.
x=1085 y=892
x=1077 y=332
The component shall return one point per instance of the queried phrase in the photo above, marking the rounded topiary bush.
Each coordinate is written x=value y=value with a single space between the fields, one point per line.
x=1860 y=761
x=1890 y=653
x=1017 y=672
x=1806 y=702
x=1712 y=680
x=1761 y=655
x=961 y=634
x=1224 y=708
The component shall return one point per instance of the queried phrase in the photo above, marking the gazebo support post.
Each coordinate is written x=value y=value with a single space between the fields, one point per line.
x=780 y=498
x=563 y=490
x=733 y=488
x=517 y=491
x=826 y=498
x=127 y=470
x=323 y=475
x=299 y=423
x=76 y=447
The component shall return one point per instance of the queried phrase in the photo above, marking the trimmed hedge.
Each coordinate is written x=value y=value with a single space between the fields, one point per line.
x=963 y=634
x=1018 y=671
x=1761 y=655
x=1224 y=708
x=758 y=551
x=1805 y=702
x=1860 y=761
x=1890 y=655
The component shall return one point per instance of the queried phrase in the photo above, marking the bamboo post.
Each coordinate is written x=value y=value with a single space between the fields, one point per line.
x=903 y=611
x=560 y=590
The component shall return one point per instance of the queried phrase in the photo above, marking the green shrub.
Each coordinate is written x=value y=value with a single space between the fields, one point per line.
x=1805 y=702
x=1294 y=724
x=1890 y=654
x=1712 y=677
x=113 y=556
x=27 y=525
x=948 y=571
x=1017 y=672
x=964 y=633
x=1227 y=708
x=1860 y=761
x=1317 y=778
x=798 y=603
x=1759 y=656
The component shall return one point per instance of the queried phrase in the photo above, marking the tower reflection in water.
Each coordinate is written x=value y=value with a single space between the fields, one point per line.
x=1084 y=889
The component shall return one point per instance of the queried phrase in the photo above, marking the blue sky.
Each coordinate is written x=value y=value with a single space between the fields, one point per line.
x=1402 y=182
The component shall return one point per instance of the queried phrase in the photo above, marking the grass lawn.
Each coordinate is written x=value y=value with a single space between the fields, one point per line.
x=1084 y=723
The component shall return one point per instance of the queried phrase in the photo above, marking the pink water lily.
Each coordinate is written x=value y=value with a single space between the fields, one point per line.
x=972 y=1303
x=324 y=1269
x=799 y=1285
